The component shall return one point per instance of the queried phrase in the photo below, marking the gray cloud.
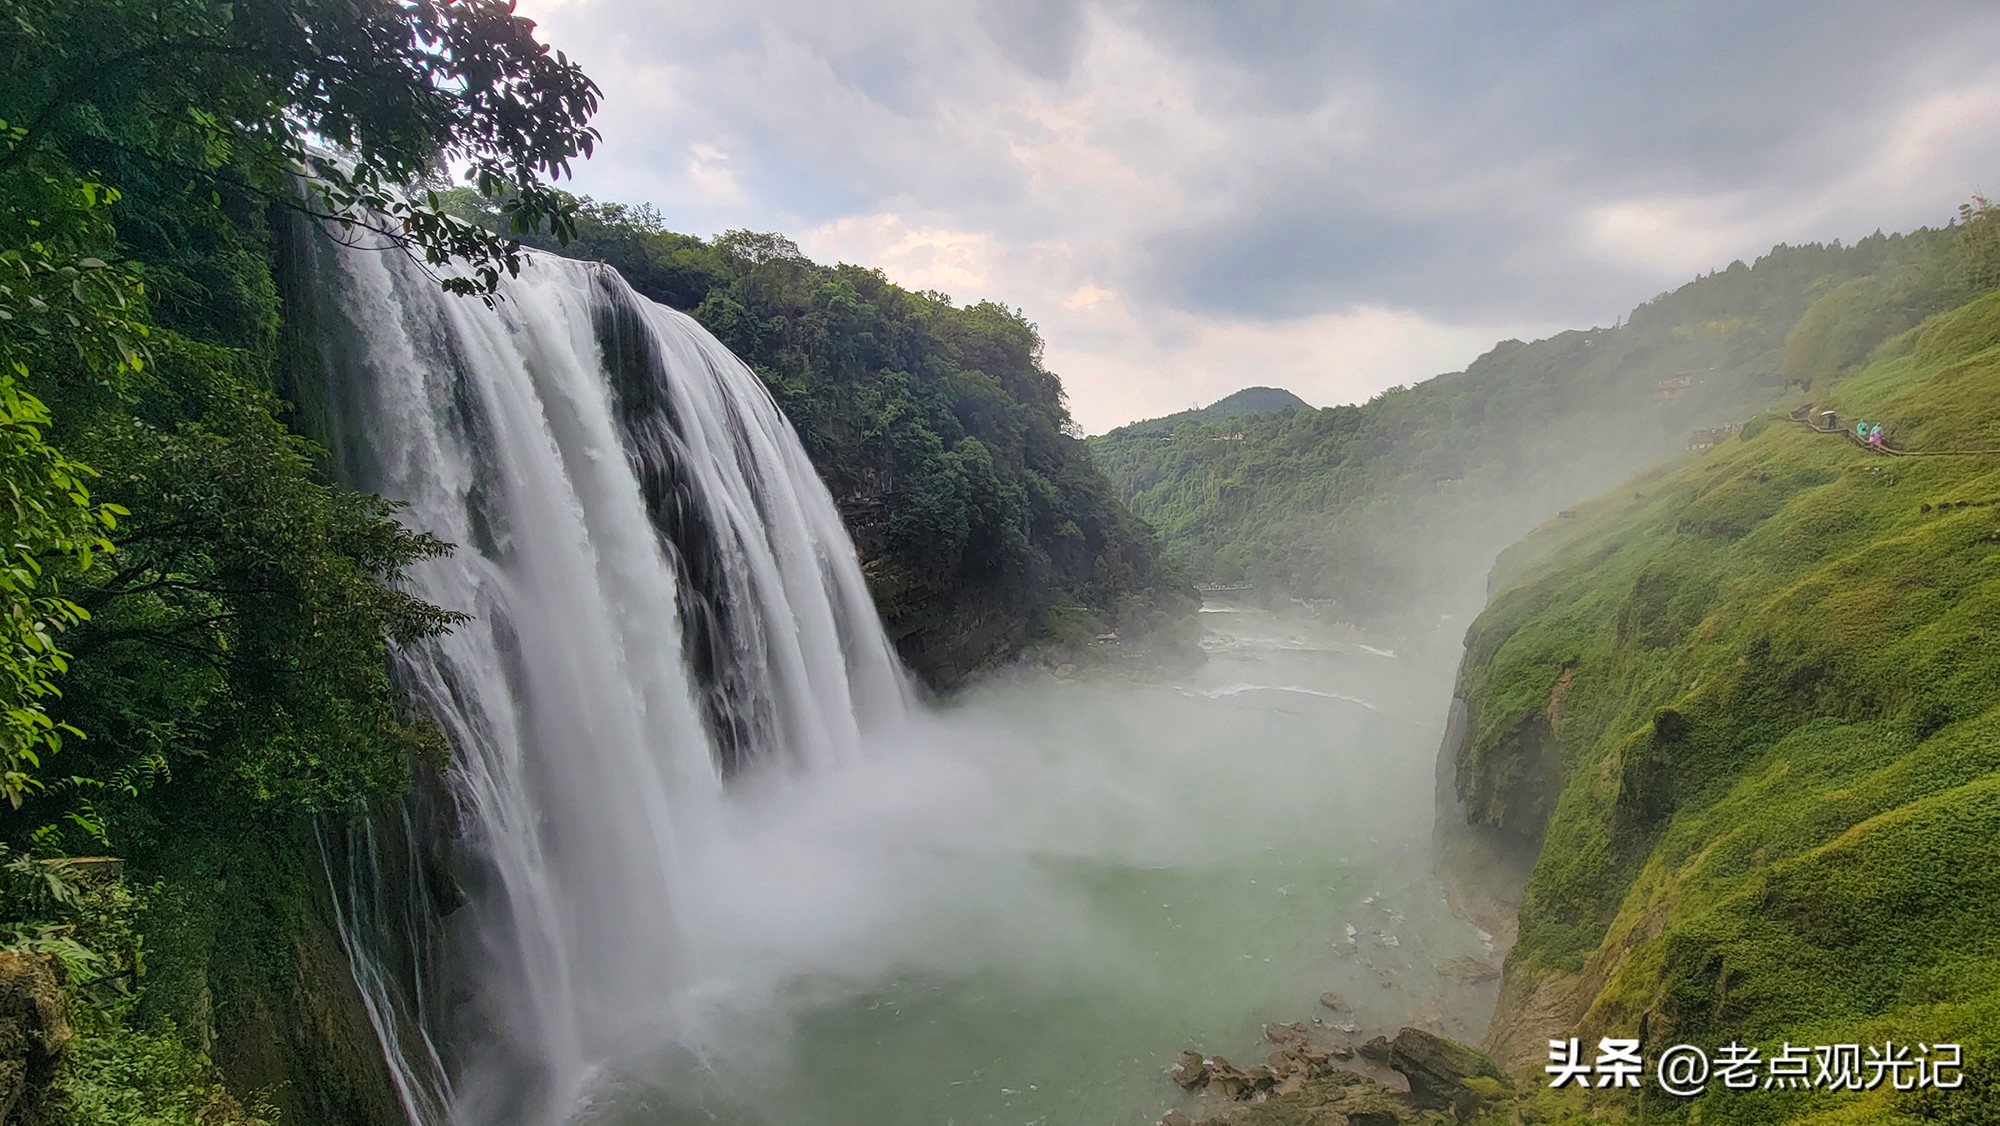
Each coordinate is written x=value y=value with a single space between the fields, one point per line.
x=1194 y=166
x=1042 y=37
x=1603 y=103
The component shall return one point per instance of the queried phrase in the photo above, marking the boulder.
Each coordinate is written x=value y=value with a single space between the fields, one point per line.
x=1226 y=1079
x=1376 y=1050
x=1189 y=1072
x=1438 y=1068
x=1175 y=1118
x=1239 y=1084
x=1333 y=1001
x=1287 y=1035
x=1309 y=1060
x=1288 y=1061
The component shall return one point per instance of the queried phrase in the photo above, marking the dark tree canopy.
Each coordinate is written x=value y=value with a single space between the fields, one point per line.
x=400 y=90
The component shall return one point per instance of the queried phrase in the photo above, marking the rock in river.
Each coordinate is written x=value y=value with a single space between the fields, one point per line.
x=1438 y=1068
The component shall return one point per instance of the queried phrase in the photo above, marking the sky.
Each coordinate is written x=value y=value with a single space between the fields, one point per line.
x=1333 y=196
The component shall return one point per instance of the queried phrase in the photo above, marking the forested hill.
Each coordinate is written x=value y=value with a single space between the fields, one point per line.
x=982 y=522
x=1250 y=400
x=1380 y=505
x=1254 y=400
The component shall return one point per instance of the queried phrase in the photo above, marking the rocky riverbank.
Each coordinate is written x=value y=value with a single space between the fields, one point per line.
x=1416 y=1078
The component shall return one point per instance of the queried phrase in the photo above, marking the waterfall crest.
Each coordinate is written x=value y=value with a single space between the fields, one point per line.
x=662 y=597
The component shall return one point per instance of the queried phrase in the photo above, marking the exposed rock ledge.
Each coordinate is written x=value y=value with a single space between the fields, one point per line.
x=1300 y=1083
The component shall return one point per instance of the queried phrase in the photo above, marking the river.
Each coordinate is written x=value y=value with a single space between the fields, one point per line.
x=1023 y=909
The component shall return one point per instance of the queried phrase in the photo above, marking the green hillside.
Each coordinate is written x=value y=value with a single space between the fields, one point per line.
x=1746 y=711
x=1254 y=400
x=1356 y=503
x=1249 y=401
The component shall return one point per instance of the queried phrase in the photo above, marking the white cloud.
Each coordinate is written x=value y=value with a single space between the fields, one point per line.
x=708 y=168
x=1119 y=363
x=914 y=257
x=1669 y=236
x=1087 y=296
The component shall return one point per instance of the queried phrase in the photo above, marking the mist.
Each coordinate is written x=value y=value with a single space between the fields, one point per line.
x=1022 y=905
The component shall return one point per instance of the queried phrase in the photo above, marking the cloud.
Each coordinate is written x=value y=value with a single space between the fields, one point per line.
x=1330 y=195
x=708 y=169
x=915 y=257
x=1087 y=296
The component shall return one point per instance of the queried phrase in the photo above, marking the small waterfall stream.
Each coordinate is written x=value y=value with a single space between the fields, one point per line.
x=662 y=597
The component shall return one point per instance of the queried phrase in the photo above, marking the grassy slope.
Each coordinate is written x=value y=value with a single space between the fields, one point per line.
x=1779 y=739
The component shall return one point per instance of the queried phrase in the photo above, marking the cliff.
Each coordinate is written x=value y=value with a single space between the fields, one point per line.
x=1744 y=712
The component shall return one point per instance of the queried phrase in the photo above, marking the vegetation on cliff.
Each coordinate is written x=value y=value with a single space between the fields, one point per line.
x=1760 y=688
x=197 y=617
x=982 y=522
x=1352 y=502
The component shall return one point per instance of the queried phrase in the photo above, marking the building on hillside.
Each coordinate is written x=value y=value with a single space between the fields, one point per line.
x=1702 y=439
x=1673 y=385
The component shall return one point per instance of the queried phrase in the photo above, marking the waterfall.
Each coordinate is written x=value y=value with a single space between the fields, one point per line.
x=662 y=598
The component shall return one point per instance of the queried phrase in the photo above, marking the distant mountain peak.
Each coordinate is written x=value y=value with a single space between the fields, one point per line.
x=1249 y=401
x=1254 y=400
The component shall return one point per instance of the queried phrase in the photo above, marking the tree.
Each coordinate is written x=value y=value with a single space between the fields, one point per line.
x=400 y=90
x=229 y=664
x=229 y=99
x=1978 y=230
x=47 y=512
x=55 y=299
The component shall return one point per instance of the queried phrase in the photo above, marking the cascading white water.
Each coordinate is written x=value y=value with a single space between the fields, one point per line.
x=714 y=865
x=662 y=596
